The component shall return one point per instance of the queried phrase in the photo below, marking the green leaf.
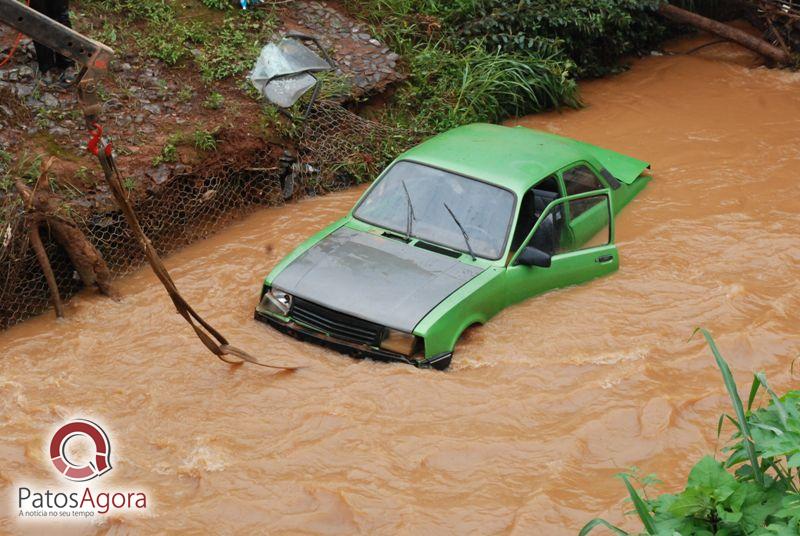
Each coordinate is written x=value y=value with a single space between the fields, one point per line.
x=790 y=509
x=594 y=523
x=775 y=400
x=758 y=505
x=710 y=477
x=727 y=516
x=691 y=502
x=794 y=461
x=641 y=508
x=773 y=429
x=753 y=391
x=730 y=385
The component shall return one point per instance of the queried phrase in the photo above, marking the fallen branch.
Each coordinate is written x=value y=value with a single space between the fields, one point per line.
x=725 y=31
x=210 y=337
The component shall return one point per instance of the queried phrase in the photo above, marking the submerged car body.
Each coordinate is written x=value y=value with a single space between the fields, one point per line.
x=453 y=231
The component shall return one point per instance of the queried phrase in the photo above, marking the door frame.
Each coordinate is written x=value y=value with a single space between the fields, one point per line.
x=566 y=199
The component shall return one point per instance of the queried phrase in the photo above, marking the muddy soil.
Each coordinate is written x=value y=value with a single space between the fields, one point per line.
x=542 y=406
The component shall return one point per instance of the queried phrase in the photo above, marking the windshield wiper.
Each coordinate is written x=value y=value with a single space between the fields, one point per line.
x=410 y=214
x=463 y=232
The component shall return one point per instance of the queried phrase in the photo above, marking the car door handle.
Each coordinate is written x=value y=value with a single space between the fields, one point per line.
x=604 y=259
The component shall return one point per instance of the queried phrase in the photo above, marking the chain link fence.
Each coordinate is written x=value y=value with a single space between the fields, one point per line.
x=335 y=148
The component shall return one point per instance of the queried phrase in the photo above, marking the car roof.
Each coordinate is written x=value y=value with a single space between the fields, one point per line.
x=512 y=157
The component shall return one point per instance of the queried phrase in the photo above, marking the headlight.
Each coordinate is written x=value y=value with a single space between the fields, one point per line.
x=399 y=342
x=276 y=301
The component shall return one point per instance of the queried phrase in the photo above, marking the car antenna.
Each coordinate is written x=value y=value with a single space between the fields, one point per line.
x=463 y=232
x=410 y=215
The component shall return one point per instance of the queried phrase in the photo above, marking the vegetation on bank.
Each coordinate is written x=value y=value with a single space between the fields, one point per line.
x=486 y=60
x=466 y=60
x=754 y=491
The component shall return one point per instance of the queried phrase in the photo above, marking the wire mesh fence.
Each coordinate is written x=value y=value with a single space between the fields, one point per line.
x=335 y=148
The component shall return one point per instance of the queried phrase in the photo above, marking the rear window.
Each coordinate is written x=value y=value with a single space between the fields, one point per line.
x=581 y=179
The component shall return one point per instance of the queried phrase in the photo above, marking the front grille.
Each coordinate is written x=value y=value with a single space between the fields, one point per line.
x=339 y=325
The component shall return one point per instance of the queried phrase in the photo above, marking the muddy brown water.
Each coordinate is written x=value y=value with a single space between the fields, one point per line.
x=541 y=407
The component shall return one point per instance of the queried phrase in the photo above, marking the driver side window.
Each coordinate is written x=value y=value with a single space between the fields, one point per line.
x=533 y=204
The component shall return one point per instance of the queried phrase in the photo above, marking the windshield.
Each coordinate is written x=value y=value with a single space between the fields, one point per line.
x=413 y=197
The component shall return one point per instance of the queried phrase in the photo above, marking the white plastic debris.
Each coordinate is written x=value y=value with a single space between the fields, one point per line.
x=282 y=73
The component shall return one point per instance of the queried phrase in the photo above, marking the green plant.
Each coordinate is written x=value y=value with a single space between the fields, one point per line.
x=5 y=157
x=64 y=188
x=761 y=496
x=217 y=4
x=185 y=94
x=84 y=175
x=169 y=154
x=108 y=34
x=204 y=140
x=129 y=184
x=162 y=30
x=214 y=101
x=26 y=167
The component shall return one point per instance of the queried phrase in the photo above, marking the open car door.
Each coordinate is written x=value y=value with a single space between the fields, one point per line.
x=571 y=242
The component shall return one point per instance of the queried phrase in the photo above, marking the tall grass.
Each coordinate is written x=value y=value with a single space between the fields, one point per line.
x=446 y=89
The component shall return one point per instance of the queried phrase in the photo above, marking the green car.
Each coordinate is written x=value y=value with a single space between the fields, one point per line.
x=453 y=231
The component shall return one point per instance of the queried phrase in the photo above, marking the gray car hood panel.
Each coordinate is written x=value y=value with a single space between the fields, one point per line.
x=374 y=277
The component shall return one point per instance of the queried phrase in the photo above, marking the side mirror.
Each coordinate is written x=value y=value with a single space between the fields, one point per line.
x=532 y=256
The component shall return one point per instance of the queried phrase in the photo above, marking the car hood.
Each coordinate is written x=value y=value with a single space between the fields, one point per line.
x=373 y=277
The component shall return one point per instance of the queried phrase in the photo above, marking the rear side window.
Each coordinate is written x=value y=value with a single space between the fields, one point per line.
x=581 y=179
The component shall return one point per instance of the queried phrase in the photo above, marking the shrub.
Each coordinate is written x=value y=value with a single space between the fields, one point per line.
x=594 y=34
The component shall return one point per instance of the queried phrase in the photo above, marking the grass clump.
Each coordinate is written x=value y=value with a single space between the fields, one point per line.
x=205 y=140
x=756 y=490
x=478 y=85
x=23 y=166
x=214 y=101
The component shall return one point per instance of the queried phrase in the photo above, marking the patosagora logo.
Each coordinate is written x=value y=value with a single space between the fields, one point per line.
x=102 y=448
x=80 y=450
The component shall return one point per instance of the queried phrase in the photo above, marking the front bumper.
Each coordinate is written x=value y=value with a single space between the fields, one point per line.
x=438 y=362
